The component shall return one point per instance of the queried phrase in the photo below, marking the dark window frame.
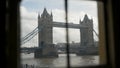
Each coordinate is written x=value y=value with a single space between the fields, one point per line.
x=12 y=31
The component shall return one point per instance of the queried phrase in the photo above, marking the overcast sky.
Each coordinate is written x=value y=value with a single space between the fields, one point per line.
x=76 y=10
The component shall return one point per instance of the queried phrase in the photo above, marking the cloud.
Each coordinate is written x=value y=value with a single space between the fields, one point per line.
x=27 y=14
x=58 y=15
x=59 y=35
x=29 y=21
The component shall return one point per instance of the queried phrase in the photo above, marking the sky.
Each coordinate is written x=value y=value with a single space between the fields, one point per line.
x=29 y=10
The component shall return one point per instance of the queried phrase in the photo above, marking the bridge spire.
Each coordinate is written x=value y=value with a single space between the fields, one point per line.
x=80 y=21
x=38 y=15
x=51 y=14
x=45 y=11
x=45 y=14
x=86 y=17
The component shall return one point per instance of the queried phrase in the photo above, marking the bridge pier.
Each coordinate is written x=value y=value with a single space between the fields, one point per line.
x=90 y=50
x=47 y=51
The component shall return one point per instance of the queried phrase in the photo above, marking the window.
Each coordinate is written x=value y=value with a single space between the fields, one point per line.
x=73 y=42
x=83 y=37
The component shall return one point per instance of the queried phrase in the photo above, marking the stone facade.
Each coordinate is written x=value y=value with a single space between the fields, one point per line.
x=87 y=32
x=47 y=51
x=45 y=36
x=87 y=46
x=45 y=23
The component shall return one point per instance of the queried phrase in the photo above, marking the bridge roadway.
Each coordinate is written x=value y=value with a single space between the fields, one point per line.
x=60 y=50
x=70 y=25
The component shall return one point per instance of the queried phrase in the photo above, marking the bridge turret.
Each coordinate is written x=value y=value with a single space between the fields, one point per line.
x=51 y=16
x=38 y=17
x=86 y=18
x=46 y=15
x=86 y=21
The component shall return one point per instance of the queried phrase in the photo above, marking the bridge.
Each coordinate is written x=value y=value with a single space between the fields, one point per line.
x=70 y=25
x=44 y=30
x=59 y=50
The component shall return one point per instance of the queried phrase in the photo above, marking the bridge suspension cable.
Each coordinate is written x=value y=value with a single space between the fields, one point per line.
x=30 y=35
x=95 y=33
x=27 y=36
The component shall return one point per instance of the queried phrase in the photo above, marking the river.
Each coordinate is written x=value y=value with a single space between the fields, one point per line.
x=60 y=61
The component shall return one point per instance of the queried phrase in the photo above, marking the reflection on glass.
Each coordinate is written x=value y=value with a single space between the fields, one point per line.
x=84 y=40
x=43 y=33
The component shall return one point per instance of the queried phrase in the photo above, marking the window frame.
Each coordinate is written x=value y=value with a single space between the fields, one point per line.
x=12 y=31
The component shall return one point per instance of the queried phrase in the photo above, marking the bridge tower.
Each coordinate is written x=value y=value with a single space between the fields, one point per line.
x=45 y=36
x=45 y=23
x=87 y=42
x=87 y=32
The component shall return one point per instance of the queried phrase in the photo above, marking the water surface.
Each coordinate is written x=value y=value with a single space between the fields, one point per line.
x=60 y=61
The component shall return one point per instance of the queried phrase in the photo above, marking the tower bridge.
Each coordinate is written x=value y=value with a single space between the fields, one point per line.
x=45 y=38
x=45 y=35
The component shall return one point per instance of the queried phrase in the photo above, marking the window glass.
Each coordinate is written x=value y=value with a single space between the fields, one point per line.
x=43 y=34
x=84 y=36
